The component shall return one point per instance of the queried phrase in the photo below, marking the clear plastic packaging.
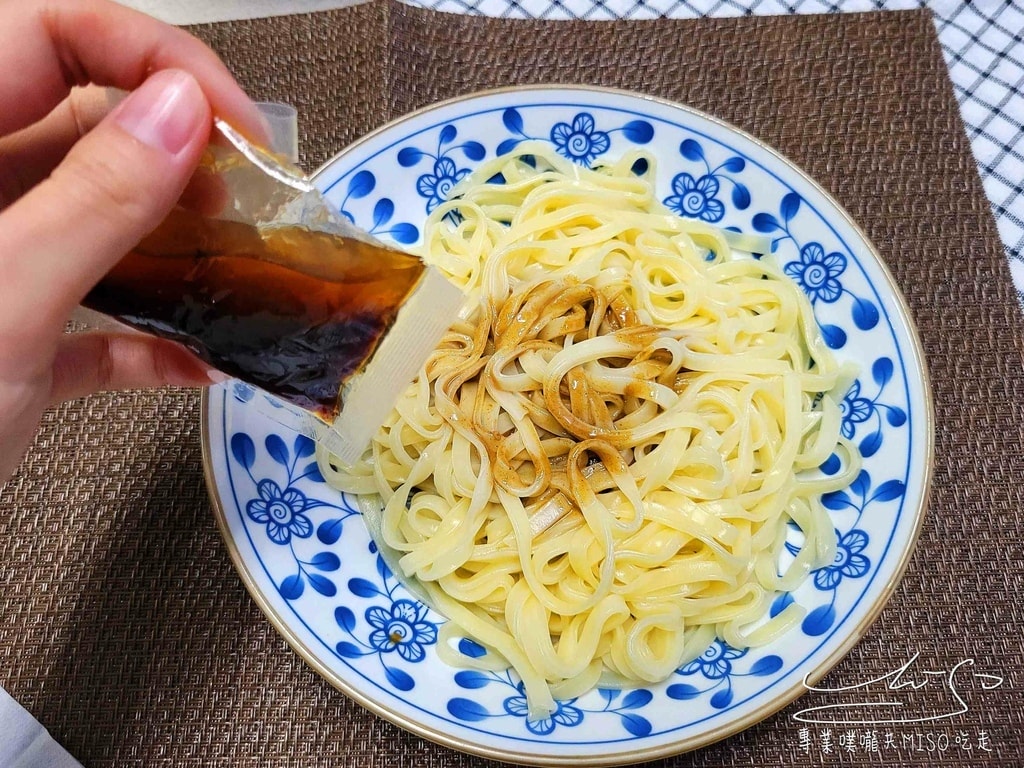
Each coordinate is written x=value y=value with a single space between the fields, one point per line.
x=258 y=276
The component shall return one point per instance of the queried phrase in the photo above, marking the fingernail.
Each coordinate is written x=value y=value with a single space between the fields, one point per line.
x=164 y=112
x=217 y=377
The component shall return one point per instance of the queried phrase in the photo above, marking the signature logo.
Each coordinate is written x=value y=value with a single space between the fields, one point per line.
x=890 y=698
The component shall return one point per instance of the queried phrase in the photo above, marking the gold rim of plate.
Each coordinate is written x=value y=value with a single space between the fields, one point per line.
x=682 y=745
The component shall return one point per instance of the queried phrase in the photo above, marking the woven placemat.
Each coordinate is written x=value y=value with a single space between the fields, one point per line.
x=123 y=626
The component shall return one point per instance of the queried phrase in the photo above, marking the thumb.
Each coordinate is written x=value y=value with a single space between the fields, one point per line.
x=113 y=188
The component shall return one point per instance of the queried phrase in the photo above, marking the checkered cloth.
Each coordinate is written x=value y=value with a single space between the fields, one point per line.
x=982 y=41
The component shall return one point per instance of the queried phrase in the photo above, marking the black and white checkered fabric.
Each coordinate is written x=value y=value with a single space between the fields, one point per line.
x=983 y=42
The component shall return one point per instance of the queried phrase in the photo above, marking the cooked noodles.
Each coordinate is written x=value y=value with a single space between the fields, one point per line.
x=594 y=474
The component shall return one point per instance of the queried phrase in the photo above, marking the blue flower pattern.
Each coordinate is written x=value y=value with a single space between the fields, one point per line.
x=848 y=561
x=818 y=273
x=565 y=714
x=281 y=511
x=581 y=142
x=399 y=624
x=696 y=198
x=858 y=410
x=715 y=662
x=438 y=185
x=718 y=665
x=815 y=271
x=855 y=409
x=398 y=627
x=403 y=628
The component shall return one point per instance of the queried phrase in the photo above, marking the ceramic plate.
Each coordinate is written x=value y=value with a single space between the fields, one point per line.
x=304 y=552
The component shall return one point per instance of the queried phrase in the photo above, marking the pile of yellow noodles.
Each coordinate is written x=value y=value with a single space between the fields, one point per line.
x=593 y=474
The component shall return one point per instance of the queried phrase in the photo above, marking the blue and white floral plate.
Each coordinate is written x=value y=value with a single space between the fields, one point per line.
x=305 y=554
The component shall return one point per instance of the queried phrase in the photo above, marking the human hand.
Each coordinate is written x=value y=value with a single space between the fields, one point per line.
x=78 y=189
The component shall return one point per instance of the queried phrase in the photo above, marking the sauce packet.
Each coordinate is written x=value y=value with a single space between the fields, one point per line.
x=260 y=277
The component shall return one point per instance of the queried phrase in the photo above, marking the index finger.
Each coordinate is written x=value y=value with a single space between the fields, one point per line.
x=59 y=44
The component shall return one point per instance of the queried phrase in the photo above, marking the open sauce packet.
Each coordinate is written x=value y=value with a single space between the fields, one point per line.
x=257 y=275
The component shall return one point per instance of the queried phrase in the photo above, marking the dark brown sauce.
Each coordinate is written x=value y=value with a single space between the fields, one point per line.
x=292 y=311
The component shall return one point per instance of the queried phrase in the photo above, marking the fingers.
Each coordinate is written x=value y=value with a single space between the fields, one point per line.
x=30 y=155
x=93 y=362
x=62 y=43
x=115 y=185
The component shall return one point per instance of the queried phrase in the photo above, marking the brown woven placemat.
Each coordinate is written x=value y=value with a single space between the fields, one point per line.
x=123 y=626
